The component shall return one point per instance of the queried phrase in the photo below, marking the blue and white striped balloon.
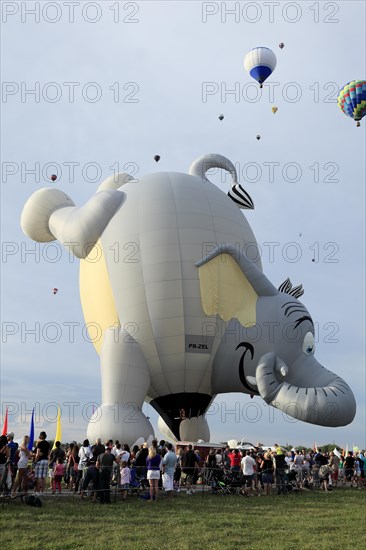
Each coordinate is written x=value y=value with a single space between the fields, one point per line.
x=260 y=63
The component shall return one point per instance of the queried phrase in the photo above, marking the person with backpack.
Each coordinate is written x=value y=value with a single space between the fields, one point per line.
x=85 y=455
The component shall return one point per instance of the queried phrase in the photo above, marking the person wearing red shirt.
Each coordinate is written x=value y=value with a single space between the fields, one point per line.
x=235 y=460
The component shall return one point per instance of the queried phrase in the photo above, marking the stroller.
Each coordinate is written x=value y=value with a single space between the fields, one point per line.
x=234 y=481
x=215 y=478
x=292 y=485
x=138 y=484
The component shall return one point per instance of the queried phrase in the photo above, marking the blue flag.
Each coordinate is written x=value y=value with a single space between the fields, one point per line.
x=31 y=435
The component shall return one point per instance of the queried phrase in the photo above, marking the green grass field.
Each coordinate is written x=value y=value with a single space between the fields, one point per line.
x=305 y=521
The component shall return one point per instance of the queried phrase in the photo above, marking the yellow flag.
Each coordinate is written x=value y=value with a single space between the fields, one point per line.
x=58 y=428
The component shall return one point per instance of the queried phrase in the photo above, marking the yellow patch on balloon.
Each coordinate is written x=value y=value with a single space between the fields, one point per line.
x=225 y=291
x=96 y=296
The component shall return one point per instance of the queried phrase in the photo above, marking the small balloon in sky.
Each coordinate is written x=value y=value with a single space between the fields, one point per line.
x=313 y=260
x=300 y=234
x=55 y=290
x=221 y=117
x=352 y=100
x=258 y=136
x=53 y=177
x=157 y=158
x=281 y=45
x=274 y=110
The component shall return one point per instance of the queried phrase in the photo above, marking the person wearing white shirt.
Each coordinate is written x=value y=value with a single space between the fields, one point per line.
x=125 y=453
x=218 y=458
x=247 y=466
x=85 y=454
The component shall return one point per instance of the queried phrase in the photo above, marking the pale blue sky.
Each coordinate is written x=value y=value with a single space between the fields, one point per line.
x=168 y=54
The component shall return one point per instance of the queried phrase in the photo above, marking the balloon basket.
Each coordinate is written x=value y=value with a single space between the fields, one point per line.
x=358 y=124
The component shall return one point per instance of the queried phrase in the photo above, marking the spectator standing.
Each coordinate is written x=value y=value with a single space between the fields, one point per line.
x=235 y=460
x=247 y=465
x=125 y=453
x=140 y=461
x=41 y=467
x=105 y=466
x=55 y=454
x=73 y=466
x=98 y=449
x=178 y=469
x=153 y=472
x=85 y=455
x=58 y=473
x=189 y=465
x=334 y=464
x=280 y=464
x=13 y=453
x=349 y=465
x=13 y=447
x=125 y=479
x=169 y=462
x=21 y=479
x=4 y=454
x=296 y=466
x=267 y=472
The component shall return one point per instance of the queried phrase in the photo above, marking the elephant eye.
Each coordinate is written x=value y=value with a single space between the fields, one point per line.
x=308 y=345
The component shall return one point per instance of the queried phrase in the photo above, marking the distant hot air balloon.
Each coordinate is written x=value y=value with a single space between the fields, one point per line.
x=352 y=100
x=53 y=177
x=274 y=110
x=260 y=64
x=258 y=136
x=221 y=117
x=157 y=158
x=281 y=45
x=55 y=290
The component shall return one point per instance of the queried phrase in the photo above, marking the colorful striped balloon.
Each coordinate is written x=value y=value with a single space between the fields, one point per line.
x=260 y=64
x=352 y=100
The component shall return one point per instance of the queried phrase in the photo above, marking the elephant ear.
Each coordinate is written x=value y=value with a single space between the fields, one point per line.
x=230 y=285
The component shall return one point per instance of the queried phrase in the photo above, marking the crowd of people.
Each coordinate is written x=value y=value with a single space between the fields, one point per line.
x=92 y=469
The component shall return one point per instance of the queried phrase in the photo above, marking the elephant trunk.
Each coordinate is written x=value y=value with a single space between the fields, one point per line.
x=330 y=404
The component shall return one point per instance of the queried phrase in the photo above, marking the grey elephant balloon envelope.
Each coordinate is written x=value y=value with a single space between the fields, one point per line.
x=168 y=297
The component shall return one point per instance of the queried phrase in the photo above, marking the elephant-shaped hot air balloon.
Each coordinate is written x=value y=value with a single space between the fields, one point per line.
x=260 y=64
x=352 y=100
x=170 y=271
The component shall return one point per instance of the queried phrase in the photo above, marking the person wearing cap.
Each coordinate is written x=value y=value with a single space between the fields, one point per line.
x=41 y=468
x=280 y=471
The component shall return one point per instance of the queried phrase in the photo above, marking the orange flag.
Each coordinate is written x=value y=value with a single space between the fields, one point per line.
x=5 y=428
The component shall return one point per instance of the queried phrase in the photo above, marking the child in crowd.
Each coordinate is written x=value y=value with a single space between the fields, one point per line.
x=58 y=473
x=125 y=479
